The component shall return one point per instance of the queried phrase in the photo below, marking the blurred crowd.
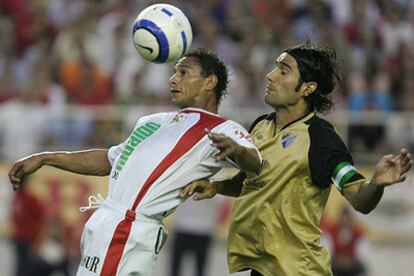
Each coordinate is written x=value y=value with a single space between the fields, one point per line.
x=79 y=52
x=56 y=54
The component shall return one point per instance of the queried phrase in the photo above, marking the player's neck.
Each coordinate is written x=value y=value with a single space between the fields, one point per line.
x=208 y=105
x=288 y=115
x=211 y=108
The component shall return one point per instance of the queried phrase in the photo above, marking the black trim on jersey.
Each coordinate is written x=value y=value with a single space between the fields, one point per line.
x=355 y=177
x=326 y=151
x=298 y=119
x=270 y=116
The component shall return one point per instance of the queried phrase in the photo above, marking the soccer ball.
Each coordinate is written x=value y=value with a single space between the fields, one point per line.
x=162 y=33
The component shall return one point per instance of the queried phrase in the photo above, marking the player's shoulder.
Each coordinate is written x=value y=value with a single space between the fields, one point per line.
x=321 y=130
x=227 y=125
x=204 y=115
x=156 y=115
x=317 y=121
x=264 y=117
x=158 y=118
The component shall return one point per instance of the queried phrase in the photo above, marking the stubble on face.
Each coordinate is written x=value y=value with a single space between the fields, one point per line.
x=281 y=89
x=186 y=83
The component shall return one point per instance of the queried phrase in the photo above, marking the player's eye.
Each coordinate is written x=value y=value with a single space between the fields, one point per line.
x=279 y=69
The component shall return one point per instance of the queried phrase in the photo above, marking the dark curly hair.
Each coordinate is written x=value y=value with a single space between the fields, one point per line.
x=211 y=64
x=317 y=63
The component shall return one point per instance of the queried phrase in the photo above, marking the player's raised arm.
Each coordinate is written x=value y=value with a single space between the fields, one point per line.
x=88 y=162
x=389 y=170
x=203 y=188
x=247 y=159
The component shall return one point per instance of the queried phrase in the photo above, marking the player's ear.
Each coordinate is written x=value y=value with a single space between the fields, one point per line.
x=310 y=87
x=211 y=82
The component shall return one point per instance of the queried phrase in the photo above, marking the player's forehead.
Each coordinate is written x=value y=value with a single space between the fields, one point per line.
x=287 y=60
x=188 y=63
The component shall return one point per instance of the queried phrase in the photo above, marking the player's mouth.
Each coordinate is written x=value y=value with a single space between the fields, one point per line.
x=268 y=89
x=173 y=90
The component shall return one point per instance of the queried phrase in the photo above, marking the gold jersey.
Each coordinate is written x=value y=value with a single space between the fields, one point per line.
x=275 y=222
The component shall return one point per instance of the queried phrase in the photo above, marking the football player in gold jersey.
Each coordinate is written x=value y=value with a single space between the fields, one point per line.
x=276 y=217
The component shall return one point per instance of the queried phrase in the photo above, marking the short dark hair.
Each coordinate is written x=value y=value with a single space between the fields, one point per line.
x=317 y=63
x=211 y=64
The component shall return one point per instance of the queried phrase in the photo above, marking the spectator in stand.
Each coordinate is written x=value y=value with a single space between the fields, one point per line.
x=364 y=98
x=394 y=29
x=7 y=92
x=345 y=236
x=400 y=126
x=27 y=220
x=85 y=82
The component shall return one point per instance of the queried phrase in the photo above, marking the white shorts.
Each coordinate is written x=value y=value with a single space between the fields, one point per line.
x=138 y=256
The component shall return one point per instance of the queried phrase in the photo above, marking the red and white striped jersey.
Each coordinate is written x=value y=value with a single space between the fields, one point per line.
x=165 y=152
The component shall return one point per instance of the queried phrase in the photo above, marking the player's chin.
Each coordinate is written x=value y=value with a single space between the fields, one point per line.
x=268 y=98
x=175 y=99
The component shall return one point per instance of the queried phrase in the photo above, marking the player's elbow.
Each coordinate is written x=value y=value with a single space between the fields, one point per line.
x=363 y=208
x=255 y=163
x=248 y=160
x=364 y=211
x=257 y=166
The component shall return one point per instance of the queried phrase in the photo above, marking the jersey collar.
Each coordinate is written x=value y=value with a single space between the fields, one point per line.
x=198 y=110
x=273 y=115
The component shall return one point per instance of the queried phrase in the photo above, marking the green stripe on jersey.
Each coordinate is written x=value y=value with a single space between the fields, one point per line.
x=342 y=173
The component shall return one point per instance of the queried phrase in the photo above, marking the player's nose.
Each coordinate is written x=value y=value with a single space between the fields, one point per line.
x=173 y=80
x=271 y=75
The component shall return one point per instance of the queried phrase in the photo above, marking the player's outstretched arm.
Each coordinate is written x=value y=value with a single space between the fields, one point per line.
x=204 y=188
x=389 y=170
x=88 y=162
x=247 y=159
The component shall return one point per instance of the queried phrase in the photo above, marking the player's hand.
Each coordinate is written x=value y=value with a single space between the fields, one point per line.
x=22 y=168
x=392 y=169
x=203 y=189
x=228 y=148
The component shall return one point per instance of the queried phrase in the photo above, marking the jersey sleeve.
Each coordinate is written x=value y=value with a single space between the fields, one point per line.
x=239 y=134
x=114 y=152
x=329 y=158
x=258 y=120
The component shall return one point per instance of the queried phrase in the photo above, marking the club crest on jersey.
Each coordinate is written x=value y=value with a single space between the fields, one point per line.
x=259 y=136
x=178 y=118
x=287 y=139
